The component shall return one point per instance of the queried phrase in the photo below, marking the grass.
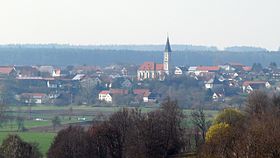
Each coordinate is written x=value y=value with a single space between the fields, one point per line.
x=44 y=139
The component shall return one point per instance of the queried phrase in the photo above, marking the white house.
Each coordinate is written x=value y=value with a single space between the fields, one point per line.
x=249 y=86
x=105 y=96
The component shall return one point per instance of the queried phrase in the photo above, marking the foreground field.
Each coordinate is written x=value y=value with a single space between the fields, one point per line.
x=38 y=120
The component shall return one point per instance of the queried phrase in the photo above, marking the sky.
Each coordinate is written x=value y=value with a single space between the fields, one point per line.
x=220 y=23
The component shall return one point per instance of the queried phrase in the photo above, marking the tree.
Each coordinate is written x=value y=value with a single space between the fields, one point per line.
x=171 y=119
x=199 y=121
x=216 y=131
x=258 y=104
x=56 y=122
x=14 y=147
x=229 y=116
x=71 y=142
x=116 y=133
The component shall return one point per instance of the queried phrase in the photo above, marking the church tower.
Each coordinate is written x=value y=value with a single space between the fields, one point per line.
x=167 y=58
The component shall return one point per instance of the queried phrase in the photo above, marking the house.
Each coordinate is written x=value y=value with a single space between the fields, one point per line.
x=249 y=86
x=218 y=94
x=105 y=96
x=180 y=70
x=142 y=94
x=34 y=98
x=151 y=71
x=7 y=71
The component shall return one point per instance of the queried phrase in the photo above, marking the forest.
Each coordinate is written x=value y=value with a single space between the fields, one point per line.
x=61 y=56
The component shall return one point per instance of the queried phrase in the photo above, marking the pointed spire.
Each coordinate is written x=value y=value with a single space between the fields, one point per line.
x=167 y=46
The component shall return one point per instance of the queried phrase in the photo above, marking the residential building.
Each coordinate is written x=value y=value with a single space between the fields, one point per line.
x=105 y=96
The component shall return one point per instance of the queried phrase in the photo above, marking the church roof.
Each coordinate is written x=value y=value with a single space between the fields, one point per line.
x=167 y=46
x=151 y=66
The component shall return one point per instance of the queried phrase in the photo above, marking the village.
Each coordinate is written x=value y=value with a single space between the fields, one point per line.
x=135 y=85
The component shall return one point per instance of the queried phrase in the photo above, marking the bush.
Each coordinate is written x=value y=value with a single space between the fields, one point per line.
x=14 y=147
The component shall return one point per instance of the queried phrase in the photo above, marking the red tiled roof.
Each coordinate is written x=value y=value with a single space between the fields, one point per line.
x=140 y=91
x=148 y=66
x=247 y=68
x=151 y=66
x=118 y=91
x=6 y=70
x=247 y=83
x=104 y=92
x=208 y=68
x=159 y=67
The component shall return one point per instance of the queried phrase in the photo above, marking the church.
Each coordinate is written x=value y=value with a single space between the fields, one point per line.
x=156 y=71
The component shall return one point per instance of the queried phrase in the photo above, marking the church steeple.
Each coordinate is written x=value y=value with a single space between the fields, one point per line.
x=167 y=57
x=167 y=46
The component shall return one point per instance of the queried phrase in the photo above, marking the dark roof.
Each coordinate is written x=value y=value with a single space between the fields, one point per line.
x=167 y=46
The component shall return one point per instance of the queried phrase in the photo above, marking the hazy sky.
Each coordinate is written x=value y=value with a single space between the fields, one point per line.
x=199 y=22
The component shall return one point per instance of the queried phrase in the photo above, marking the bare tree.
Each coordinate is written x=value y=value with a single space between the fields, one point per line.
x=199 y=121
